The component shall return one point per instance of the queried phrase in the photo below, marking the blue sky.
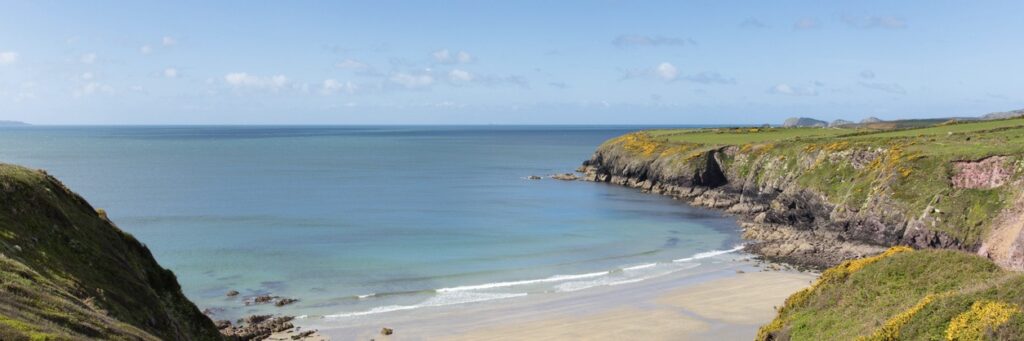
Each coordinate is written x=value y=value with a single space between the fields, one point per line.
x=512 y=62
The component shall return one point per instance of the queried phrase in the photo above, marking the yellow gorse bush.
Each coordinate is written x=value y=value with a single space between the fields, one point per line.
x=984 y=316
x=835 y=274
x=890 y=331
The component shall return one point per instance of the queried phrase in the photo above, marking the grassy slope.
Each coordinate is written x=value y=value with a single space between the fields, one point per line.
x=913 y=295
x=67 y=272
x=913 y=165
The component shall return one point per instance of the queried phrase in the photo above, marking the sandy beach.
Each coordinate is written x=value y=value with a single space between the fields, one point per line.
x=724 y=303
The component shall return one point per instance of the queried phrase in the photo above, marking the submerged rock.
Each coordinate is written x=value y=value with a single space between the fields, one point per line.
x=534 y=177
x=387 y=331
x=285 y=301
x=232 y=293
x=565 y=176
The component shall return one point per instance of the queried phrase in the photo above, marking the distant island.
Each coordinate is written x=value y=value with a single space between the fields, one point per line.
x=13 y=123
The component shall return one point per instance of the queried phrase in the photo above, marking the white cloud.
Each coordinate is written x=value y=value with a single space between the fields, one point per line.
x=91 y=88
x=245 y=80
x=8 y=57
x=786 y=89
x=168 y=41
x=352 y=64
x=806 y=24
x=447 y=57
x=460 y=75
x=87 y=76
x=667 y=71
x=171 y=72
x=331 y=86
x=88 y=58
x=412 y=81
x=146 y=49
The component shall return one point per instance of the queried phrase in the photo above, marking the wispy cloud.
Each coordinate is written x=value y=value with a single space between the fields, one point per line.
x=168 y=41
x=246 y=80
x=871 y=22
x=790 y=90
x=710 y=78
x=463 y=77
x=8 y=57
x=332 y=86
x=669 y=72
x=752 y=23
x=867 y=74
x=634 y=40
x=88 y=58
x=444 y=56
x=806 y=24
x=894 y=88
x=171 y=72
x=412 y=81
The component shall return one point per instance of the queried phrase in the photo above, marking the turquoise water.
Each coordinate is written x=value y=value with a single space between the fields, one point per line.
x=363 y=220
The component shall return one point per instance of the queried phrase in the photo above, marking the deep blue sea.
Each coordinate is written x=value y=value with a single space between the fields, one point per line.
x=356 y=221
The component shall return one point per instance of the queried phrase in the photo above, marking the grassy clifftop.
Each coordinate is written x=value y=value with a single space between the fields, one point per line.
x=66 y=272
x=906 y=295
x=951 y=185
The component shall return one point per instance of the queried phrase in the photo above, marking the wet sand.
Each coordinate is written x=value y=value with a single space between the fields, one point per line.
x=715 y=303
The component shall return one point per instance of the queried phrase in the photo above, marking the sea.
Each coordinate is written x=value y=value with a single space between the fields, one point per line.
x=362 y=220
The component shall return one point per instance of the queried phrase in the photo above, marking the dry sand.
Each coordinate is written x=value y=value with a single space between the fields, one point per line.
x=719 y=304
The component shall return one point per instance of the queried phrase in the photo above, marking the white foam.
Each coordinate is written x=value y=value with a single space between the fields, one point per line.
x=708 y=254
x=558 y=278
x=436 y=301
x=366 y=296
x=638 y=267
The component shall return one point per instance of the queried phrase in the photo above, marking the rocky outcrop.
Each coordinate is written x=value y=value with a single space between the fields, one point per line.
x=786 y=220
x=1003 y=115
x=871 y=119
x=990 y=172
x=840 y=123
x=803 y=122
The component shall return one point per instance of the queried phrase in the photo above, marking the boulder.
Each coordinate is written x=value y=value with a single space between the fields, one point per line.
x=232 y=293
x=387 y=331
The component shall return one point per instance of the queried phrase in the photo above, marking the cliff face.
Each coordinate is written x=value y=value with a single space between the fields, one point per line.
x=66 y=272
x=818 y=201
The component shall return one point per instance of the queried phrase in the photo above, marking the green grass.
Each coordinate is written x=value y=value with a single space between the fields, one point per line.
x=861 y=303
x=737 y=136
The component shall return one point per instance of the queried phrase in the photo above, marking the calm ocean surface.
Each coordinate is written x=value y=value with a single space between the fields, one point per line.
x=356 y=221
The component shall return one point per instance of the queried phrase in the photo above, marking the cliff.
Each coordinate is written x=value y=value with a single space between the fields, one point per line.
x=818 y=196
x=67 y=272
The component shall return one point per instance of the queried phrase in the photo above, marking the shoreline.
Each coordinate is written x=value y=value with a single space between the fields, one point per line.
x=730 y=300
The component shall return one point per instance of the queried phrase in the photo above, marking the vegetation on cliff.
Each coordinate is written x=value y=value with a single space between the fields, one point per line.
x=66 y=272
x=933 y=185
x=906 y=295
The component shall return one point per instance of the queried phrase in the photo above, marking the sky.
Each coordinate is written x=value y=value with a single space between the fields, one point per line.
x=508 y=62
